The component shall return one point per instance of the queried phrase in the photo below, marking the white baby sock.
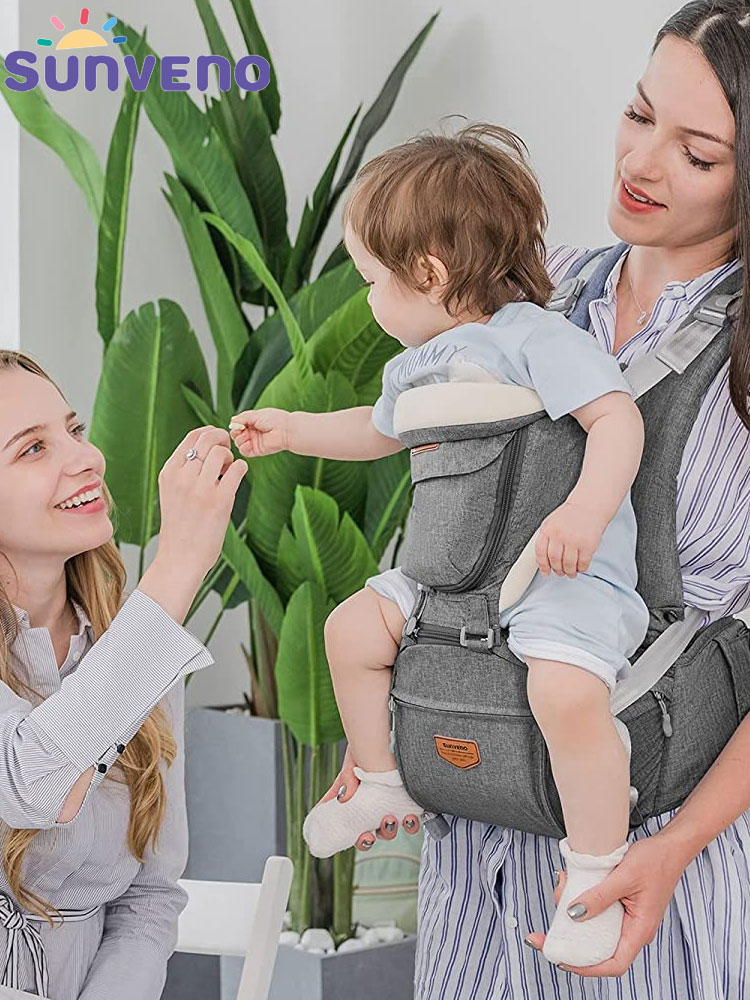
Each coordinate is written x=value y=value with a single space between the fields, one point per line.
x=591 y=941
x=333 y=826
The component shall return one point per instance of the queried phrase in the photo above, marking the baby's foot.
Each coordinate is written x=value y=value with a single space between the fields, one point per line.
x=591 y=941
x=334 y=826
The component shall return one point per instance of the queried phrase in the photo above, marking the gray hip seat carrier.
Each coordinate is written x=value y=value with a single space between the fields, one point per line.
x=463 y=734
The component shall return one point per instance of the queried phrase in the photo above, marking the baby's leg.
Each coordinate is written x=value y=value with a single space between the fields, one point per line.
x=362 y=636
x=591 y=769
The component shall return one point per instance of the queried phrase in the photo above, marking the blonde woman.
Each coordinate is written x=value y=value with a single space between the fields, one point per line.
x=93 y=835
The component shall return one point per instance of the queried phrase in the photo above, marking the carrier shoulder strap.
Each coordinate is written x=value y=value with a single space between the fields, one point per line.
x=690 y=336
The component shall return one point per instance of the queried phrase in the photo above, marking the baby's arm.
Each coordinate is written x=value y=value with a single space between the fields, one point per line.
x=614 y=447
x=569 y=536
x=347 y=435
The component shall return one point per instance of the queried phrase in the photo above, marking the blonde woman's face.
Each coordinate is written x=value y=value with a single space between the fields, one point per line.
x=42 y=467
x=657 y=150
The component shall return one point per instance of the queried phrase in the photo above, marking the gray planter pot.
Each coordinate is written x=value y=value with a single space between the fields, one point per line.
x=384 y=970
x=234 y=787
x=234 y=782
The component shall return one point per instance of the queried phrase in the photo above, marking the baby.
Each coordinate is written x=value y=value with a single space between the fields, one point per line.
x=448 y=234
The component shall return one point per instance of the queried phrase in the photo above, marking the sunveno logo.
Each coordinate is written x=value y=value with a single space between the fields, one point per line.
x=172 y=75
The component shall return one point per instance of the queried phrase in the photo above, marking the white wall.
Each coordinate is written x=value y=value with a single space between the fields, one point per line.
x=558 y=74
x=10 y=304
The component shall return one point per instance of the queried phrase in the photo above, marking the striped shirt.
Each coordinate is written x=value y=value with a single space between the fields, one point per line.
x=83 y=714
x=483 y=888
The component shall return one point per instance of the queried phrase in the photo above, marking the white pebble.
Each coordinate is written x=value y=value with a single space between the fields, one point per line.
x=370 y=937
x=288 y=937
x=351 y=944
x=317 y=939
x=287 y=920
x=389 y=934
x=361 y=930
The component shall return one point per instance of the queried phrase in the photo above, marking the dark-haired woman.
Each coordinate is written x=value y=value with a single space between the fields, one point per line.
x=681 y=203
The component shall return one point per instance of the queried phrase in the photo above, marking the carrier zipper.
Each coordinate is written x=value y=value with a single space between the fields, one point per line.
x=666 y=721
x=499 y=518
x=450 y=636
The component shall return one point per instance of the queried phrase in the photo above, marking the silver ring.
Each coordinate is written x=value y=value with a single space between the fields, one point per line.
x=190 y=455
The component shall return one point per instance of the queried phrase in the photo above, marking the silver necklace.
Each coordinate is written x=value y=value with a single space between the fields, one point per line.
x=643 y=314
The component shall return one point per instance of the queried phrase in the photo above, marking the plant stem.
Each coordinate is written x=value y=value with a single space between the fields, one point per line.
x=231 y=587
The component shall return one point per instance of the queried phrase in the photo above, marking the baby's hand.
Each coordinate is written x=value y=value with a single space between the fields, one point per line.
x=260 y=432
x=568 y=538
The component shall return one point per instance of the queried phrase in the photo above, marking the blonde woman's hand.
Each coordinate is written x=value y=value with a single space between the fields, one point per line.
x=196 y=498
x=344 y=786
x=261 y=432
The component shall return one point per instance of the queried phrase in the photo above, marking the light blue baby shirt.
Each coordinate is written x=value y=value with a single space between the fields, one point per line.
x=522 y=344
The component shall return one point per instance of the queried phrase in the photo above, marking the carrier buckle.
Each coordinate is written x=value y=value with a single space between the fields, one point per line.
x=716 y=309
x=565 y=295
x=480 y=644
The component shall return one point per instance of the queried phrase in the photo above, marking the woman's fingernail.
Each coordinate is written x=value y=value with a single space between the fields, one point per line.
x=529 y=943
x=390 y=826
x=557 y=878
x=577 y=911
x=367 y=843
x=341 y=792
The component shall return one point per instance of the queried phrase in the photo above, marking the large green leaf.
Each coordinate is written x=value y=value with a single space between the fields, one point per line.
x=315 y=219
x=257 y=46
x=388 y=500
x=200 y=158
x=378 y=113
x=311 y=305
x=227 y=323
x=351 y=342
x=36 y=116
x=306 y=700
x=241 y=559
x=244 y=126
x=252 y=257
x=330 y=548
x=140 y=413
x=275 y=477
x=114 y=220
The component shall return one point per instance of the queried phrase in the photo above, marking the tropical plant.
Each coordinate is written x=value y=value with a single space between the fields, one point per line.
x=305 y=532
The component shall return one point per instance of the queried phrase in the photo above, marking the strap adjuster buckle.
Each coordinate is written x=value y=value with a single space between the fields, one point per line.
x=480 y=644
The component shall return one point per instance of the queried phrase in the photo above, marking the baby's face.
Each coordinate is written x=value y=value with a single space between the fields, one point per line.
x=408 y=316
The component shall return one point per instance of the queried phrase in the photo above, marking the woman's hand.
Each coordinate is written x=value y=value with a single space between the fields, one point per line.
x=196 y=500
x=568 y=538
x=644 y=881
x=345 y=786
x=261 y=432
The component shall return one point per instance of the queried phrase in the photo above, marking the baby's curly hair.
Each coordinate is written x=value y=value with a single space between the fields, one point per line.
x=470 y=199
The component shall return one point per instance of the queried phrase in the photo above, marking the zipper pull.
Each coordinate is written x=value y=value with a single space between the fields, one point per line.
x=666 y=721
x=392 y=740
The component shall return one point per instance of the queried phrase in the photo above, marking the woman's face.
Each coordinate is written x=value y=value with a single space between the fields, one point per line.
x=39 y=470
x=657 y=152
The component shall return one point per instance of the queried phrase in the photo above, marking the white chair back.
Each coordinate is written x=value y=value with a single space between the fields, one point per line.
x=241 y=919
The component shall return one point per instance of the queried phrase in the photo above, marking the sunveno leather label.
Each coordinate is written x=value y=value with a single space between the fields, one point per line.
x=425 y=447
x=460 y=753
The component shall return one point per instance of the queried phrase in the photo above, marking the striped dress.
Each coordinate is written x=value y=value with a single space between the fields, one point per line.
x=483 y=888
x=120 y=914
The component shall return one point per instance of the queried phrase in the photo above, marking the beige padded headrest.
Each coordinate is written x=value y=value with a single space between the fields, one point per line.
x=448 y=403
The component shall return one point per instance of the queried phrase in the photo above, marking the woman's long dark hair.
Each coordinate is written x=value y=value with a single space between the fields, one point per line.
x=720 y=29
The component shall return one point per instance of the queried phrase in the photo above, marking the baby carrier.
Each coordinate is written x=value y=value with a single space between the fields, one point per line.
x=463 y=734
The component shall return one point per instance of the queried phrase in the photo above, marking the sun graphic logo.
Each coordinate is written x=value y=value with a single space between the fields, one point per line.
x=82 y=38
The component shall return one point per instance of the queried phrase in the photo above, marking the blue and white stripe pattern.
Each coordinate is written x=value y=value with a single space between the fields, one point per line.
x=483 y=888
x=119 y=915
